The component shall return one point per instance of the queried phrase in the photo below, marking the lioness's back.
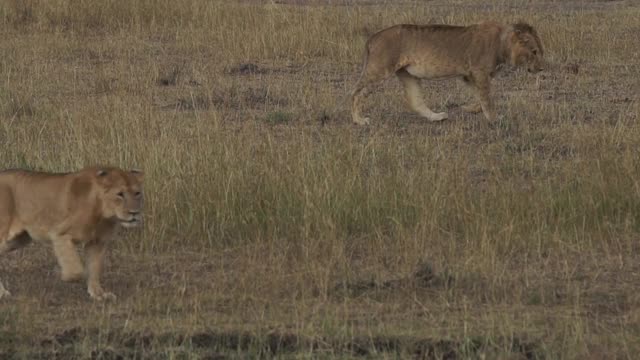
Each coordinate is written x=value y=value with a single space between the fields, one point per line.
x=27 y=180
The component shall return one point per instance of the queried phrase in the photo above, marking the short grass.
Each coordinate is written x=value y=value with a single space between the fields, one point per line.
x=274 y=227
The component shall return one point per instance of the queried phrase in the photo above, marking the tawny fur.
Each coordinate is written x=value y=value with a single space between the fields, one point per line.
x=473 y=53
x=83 y=208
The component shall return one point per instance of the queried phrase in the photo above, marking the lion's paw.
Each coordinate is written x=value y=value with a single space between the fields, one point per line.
x=439 y=116
x=101 y=295
x=362 y=121
x=4 y=292
x=472 y=108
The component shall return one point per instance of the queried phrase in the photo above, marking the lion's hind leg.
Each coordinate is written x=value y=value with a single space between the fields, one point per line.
x=375 y=69
x=362 y=90
x=5 y=224
x=15 y=242
x=9 y=243
x=3 y=291
x=414 y=97
x=12 y=235
x=356 y=96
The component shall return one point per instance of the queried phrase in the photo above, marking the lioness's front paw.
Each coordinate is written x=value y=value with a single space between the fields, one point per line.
x=69 y=275
x=362 y=121
x=4 y=292
x=439 y=116
x=472 y=108
x=72 y=276
x=108 y=296
x=101 y=295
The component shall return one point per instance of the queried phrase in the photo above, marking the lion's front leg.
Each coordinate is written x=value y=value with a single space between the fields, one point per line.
x=3 y=292
x=482 y=84
x=96 y=251
x=472 y=108
x=68 y=259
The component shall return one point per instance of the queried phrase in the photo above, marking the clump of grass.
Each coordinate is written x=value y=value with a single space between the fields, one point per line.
x=16 y=106
x=170 y=77
x=278 y=117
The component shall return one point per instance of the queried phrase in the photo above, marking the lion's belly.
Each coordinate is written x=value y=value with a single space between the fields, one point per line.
x=433 y=71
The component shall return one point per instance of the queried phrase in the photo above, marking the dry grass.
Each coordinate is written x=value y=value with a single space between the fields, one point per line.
x=274 y=226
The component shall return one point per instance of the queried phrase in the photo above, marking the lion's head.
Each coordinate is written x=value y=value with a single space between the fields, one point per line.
x=121 y=195
x=526 y=48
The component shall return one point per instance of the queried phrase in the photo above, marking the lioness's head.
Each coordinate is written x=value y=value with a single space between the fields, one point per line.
x=526 y=48
x=121 y=195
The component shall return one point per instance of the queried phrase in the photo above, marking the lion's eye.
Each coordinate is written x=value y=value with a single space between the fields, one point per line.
x=120 y=194
x=137 y=194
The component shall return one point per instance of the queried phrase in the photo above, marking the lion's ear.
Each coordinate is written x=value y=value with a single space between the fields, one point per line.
x=139 y=174
x=103 y=179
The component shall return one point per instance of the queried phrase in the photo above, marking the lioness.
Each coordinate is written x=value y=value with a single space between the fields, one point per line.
x=474 y=52
x=82 y=208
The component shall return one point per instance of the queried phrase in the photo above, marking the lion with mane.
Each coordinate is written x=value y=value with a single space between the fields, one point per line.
x=473 y=53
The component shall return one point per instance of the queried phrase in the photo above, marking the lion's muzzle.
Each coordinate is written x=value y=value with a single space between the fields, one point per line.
x=134 y=220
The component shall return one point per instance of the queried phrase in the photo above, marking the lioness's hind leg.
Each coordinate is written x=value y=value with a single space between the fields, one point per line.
x=373 y=72
x=358 y=93
x=362 y=89
x=5 y=220
x=414 y=97
x=15 y=242
x=9 y=241
x=4 y=248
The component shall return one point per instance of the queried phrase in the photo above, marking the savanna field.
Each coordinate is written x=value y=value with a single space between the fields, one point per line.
x=274 y=227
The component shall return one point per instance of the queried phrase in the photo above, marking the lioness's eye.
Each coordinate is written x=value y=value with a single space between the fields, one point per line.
x=120 y=194
x=137 y=194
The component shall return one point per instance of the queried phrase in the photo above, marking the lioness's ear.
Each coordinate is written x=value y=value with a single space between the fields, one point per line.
x=103 y=179
x=139 y=174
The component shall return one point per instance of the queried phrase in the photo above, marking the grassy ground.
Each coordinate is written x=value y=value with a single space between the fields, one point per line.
x=275 y=227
